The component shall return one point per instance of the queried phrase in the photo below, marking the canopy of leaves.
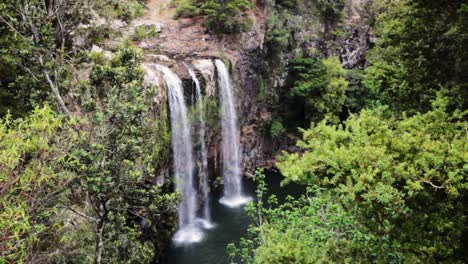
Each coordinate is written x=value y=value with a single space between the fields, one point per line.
x=383 y=189
x=33 y=184
x=320 y=84
x=421 y=48
x=225 y=16
x=115 y=164
x=408 y=176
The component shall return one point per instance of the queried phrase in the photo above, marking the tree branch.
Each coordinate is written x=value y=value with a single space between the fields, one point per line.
x=433 y=185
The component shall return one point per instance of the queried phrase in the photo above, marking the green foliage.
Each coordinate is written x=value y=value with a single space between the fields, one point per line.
x=287 y=3
x=277 y=35
x=37 y=46
x=314 y=228
x=227 y=16
x=321 y=84
x=358 y=96
x=115 y=9
x=331 y=9
x=187 y=8
x=140 y=33
x=33 y=184
x=143 y=32
x=276 y=128
x=421 y=49
x=405 y=176
x=117 y=167
x=138 y=9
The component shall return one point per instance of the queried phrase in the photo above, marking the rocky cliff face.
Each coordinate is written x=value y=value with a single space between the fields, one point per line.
x=255 y=69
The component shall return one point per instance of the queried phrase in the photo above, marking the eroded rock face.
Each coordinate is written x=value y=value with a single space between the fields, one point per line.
x=207 y=70
x=355 y=48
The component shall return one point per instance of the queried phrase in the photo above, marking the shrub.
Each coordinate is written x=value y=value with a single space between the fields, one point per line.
x=187 y=8
x=407 y=175
x=320 y=84
x=331 y=9
x=276 y=128
x=227 y=16
x=278 y=34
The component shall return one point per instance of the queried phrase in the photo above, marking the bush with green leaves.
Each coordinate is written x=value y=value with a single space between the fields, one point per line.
x=276 y=128
x=408 y=176
x=227 y=16
x=187 y=8
x=420 y=50
x=278 y=35
x=117 y=167
x=383 y=188
x=34 y=185
x=144 y=32
x=223 y=17
x=331 y=9
x=320 y=85
x=314 y=228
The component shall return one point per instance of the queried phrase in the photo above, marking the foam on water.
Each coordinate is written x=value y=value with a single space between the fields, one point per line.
x=235 y=201
x=188 y=235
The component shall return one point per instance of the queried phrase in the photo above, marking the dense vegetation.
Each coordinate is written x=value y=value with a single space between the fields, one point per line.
x=386 y=183
x=77 y=178
x=226 y=16
x=383 y=154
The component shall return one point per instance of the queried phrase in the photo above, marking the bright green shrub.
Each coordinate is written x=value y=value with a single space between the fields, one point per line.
x=408 y=176
x=320 y=84
x=33 y=184
x=227 y=16
x=187 y=8
x=276 y=128
x=420 y=50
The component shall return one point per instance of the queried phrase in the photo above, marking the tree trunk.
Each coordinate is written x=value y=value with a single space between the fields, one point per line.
x=99 y=235
x=53 y=86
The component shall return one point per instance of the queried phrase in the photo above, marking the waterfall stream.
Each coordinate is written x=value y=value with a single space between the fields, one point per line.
x=182 y=149
x=190 y=227
x=230 y=141
x=203 y=168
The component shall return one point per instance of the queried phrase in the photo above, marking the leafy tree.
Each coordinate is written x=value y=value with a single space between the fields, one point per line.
x=421 y=49
x=116 y=166
x=314 y=228
x=37 y=33
x=407 y=176
x=33 y=185
x=187 y=8
x=276 y=128
x=227 y=16
x=36 y=39
x=321 y=84
x=381 y=189
x=278 y=34
x=331 y=9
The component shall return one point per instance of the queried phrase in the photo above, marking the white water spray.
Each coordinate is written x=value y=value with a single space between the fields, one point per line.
x=230 y=141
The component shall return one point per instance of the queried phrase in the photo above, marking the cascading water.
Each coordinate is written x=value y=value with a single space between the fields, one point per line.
x=182 y=148
x=203 y=170
x=230 y=141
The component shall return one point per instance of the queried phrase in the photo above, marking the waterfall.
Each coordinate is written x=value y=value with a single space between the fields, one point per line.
x=203 y=171
x=232 y=177
x=182 y=149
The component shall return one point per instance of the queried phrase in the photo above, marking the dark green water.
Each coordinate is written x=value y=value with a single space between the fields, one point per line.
x=231 y=225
